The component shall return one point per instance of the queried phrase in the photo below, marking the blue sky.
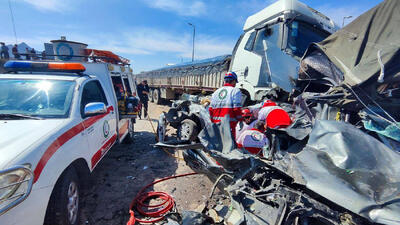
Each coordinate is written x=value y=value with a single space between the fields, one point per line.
x=151 y=33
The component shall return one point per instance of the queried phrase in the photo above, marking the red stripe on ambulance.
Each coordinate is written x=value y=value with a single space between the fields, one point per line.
x=61 y=140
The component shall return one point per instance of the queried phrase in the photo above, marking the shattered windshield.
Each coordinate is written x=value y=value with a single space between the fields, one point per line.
x=38 y=98
x=301 y=35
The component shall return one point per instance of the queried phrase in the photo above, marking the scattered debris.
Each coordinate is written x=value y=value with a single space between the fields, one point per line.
x=130 y=177
x=338 y=163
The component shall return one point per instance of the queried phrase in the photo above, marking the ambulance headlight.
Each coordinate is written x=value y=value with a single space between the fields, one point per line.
x=15 y=186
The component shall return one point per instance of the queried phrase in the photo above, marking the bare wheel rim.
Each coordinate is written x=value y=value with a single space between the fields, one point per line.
x=185 y=131
x=155 y=96
x=73 y=202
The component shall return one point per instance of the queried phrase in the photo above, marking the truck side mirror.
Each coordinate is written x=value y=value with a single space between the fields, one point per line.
x=95 y=108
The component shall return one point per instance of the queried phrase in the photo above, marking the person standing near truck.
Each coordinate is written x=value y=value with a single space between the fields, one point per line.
x=4 y=51
x=143 y=92
x=227 y=100
x=27 y=54
x=15 y=52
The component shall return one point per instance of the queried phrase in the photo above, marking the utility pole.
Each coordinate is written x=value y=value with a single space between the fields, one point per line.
x=346 y=17
x=194 y=34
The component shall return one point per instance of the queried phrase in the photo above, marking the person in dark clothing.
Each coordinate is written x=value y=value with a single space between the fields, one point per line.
x=28 y=54
x=4 y=51
x=15 y=52
x=34 y=56
x=43 y=55
x=143 y=92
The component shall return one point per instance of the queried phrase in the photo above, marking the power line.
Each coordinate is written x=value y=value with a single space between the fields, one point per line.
x=12 y=21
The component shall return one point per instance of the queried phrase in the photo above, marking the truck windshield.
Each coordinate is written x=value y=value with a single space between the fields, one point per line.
x=301 y=35
x=36 y=98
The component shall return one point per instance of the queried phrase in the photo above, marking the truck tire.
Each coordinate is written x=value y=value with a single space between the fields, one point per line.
x=131 y=132
x=157 y=96
x=151 y=97
x=64 y=207
x=188 y=130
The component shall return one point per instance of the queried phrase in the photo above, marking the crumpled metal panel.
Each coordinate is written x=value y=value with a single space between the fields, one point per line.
x=350 y=168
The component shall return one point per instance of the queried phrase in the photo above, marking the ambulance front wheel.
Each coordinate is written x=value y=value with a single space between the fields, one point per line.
x=64 y=207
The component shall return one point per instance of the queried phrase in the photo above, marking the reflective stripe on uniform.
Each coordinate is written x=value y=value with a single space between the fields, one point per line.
x=226 y=101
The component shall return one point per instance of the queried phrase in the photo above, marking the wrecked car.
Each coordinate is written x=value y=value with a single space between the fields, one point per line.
x=339 y=161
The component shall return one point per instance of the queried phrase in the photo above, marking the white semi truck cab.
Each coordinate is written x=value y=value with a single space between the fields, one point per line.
x=267 y=54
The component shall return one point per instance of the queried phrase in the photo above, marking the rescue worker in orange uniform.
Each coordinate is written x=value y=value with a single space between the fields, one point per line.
x=227 y=100
x=254 y=140
x=274 y=116
x=246 y=124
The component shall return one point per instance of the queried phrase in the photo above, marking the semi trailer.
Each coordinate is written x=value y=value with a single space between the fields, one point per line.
x=265 y=57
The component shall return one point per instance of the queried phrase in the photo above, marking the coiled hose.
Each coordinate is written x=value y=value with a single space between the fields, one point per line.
x=157 y=211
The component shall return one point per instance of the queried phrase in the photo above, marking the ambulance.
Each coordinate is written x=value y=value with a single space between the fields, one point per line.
x=57 y=121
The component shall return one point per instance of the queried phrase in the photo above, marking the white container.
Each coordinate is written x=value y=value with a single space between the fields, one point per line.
x=69 y=50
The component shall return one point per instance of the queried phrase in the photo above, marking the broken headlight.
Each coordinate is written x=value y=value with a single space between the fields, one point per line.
x=15 y=186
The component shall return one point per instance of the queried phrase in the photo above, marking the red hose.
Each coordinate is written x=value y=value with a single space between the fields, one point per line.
x=153 y=211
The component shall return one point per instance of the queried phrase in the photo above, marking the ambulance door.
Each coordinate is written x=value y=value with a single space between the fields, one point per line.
x=100 y=129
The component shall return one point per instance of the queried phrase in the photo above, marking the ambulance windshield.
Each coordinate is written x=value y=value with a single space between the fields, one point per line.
x=36 y=98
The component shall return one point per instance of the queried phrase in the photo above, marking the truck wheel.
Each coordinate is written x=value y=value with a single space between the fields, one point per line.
x=64 y=208
x=151 y=97
x=156 y=96
x=188 y=130
x=131 y=131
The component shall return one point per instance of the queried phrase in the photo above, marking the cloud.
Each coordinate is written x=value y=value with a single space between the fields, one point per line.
x=142 y=41
x=238 y=11
x=48 y=5
x=183 y=8
x=153 y=41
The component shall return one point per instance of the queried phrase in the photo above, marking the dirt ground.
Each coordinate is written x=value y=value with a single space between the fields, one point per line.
x=128 y=168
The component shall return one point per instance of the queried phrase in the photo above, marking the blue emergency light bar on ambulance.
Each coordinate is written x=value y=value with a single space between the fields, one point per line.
x=29 y=66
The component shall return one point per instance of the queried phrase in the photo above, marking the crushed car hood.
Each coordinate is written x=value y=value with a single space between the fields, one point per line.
x=350 y=168
x=339 y=162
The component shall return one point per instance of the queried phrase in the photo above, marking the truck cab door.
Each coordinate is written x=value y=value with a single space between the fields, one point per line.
x=245 y=63
x=100 y=129
x=261 y=61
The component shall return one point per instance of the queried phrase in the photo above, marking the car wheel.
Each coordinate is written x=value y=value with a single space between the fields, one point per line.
x=151 y=97
x=188 y=130
x=157 y=97
x=64 y=207
x=131 y=131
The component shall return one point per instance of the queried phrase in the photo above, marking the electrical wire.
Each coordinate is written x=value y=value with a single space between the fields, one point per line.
x=13 y=22
x=394 y=121
x=154 y=212
x=373 y=112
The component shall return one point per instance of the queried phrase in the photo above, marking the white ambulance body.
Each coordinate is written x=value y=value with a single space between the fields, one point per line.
x=55 y=128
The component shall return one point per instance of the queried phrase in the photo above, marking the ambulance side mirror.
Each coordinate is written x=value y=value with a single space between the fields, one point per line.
x=95 y=108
